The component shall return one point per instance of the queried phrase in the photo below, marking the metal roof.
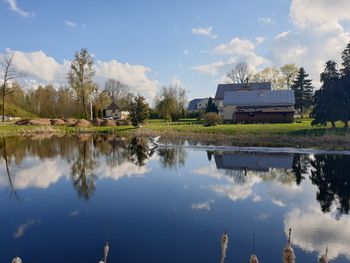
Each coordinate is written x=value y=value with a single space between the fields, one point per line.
x=193 y=104
x=260 y=98
x=113 y=107
x=222 y=88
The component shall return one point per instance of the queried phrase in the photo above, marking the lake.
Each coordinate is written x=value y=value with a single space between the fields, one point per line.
x=62 y=198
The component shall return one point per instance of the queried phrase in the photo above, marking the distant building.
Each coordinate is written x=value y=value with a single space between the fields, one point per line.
x=116 y=112
x=223 y=88
x=197 y=105
x=259 y=106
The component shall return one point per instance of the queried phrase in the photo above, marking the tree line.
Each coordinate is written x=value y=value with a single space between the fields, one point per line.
x=331 y=103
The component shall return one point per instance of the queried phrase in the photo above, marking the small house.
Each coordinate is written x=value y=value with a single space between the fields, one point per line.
x=259 y=106
x=197 y=105
x=223 y=88
x=116 y=112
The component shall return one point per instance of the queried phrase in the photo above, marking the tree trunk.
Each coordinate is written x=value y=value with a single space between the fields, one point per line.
x=3 y=103
x=333 y=125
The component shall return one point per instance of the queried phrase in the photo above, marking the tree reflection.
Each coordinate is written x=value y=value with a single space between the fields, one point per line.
x=139 y=151
x=13 y=189
x=331 y=175
x=172 y=157
x=300 y=166
x=82 y=172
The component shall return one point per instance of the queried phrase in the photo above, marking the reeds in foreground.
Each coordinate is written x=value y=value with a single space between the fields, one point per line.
x=224 y=244
x=288 y=252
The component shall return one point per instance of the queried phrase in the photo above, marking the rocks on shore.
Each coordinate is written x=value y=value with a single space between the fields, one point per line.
x=72 y=122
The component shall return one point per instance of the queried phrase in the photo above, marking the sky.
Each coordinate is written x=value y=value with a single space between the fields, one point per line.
x=192 y=43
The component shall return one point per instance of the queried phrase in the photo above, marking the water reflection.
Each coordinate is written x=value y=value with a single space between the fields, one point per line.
x=310 y=193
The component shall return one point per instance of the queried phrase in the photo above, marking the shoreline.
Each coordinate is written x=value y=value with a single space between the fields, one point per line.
x=322 y=138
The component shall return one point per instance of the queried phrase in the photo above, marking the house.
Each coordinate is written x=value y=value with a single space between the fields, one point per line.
x=116 y=112
x=223 y=88
x=197 y=105
x=253 y=161
x=259 y=106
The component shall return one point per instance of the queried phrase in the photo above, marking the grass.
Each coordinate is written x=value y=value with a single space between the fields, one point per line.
x=298 y=134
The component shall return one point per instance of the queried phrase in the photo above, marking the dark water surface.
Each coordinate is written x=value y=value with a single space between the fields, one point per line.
x=62 y=198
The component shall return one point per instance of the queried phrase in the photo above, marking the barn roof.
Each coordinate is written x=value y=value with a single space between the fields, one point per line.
x=222 y=88
x=193 y=104
x=260 y=98
x=113 y=107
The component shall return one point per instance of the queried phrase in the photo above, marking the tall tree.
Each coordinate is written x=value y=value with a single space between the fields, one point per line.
x=326 y=99
x=80 y=77
x=289 y=72
x=303 y=91
x=9 y=73
x=345 y=85
x=139 y=110
x=240 y=73
x=116 y=90
x=170 y=103
x=211 y=107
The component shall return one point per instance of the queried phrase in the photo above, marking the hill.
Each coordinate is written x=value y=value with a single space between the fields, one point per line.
x=16 y=111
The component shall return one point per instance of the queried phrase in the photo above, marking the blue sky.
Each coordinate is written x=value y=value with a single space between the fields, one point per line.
x=153 y=43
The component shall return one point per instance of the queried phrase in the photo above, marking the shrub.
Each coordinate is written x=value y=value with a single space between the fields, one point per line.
x=212 y=119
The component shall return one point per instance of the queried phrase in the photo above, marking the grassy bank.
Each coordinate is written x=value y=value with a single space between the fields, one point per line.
x=300 y=134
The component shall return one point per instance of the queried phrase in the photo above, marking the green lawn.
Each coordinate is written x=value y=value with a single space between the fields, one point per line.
x=190 y=127
x=297 y=128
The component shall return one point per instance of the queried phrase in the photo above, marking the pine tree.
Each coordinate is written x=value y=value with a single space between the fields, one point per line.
x=303 y=91
x=327 y=99
x=211 y=107
x=139 y=110
x=345 y=86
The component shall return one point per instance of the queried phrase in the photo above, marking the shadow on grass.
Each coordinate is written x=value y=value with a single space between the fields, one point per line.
x=320 y=132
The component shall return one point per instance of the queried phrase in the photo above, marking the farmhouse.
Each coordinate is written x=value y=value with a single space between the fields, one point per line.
x=116 y=112
x=259 y=106
x=250 y=161
x=223 y=88
x=197 y=105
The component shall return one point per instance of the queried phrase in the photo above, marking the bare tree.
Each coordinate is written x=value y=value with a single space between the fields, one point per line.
x=290 y=72
x=240 y=73
x=116 y=90
x=80 y=77
x=9 y=74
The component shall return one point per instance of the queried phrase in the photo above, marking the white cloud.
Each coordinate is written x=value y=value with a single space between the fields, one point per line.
x=15 y=8
x=23 y=228
x=211 y=68
x=134 y=76
x=235 y=50
x=70 y=23
x=322 y=11
x=260 y=40
x=266 y=20
x=313 y=231
x=236 y=46
x=186 y=52
x=204 y=31
x=317 y=38
x=43 y=69
x=203 y=205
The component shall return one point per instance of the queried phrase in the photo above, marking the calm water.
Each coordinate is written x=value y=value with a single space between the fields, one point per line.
x=62 y=198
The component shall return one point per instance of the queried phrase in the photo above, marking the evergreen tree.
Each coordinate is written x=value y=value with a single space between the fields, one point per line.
x=303 y=91
x=211 y=107
x=139 y=110
x=345 y=86
x=326 y=99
